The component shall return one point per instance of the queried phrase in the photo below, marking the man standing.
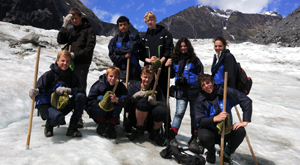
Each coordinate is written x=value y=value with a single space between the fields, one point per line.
x=124 y=46
x=82 y=39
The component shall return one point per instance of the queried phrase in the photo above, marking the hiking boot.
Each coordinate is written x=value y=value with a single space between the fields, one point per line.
x=194 y=146
x=73 y=131
x=101 y=129
x=48 y=131
x=226 y=159
x=135 y=133
x=80 y=123
x=173 y=142
x=111 y=132
x=211 y=156
x=158 y=138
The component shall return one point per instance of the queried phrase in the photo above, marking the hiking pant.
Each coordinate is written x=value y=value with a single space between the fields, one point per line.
x=57 y=117
x=209 y=137
x=81 y=71
x=99 y=115
x=181 y=106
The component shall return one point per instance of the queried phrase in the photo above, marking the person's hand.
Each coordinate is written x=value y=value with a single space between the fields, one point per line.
x=61 y=90
x=128 y=55
x=152 y=100
x=72 y=56
x=153 y=58
x=140 y=94
x=33 y=92
x=114 y=98
x=220 y=117
x=67 y=19
x=239 y=124
x=169 y=62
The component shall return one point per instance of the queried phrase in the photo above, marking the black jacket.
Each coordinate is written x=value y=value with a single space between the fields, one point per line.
x=226 y=63
x=100 y=87
x=53 y=79
x=118 y=47
x=208 y=105
x=82 y=39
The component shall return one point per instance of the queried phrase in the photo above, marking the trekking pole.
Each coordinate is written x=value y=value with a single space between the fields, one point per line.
x=127 y=79
x=33 y=99
x=248 y=141
x=224 y=110
x=168 y=105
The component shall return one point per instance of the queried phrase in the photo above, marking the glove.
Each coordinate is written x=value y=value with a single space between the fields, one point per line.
x=139 y=95
x=227 y=125
x=149 y=92
x=72 y=56
x=67 y=19
x=61 y=90
x=152 y=100
x=156 y=64
x=33 y=92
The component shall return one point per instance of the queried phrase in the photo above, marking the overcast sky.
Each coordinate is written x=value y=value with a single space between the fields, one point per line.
x=110 y=10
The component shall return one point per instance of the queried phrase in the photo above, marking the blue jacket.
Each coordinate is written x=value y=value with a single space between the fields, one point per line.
x=190 y=72
x=210 y=105
x=226 y=63
x=100 y=87
x=118 y=47
x=53 y=79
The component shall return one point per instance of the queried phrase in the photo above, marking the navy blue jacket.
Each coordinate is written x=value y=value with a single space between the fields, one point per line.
x=53 y=79
x=190 y=72
x=210 y=105
x=100 y=87
x=118 y=47
x=226 y=63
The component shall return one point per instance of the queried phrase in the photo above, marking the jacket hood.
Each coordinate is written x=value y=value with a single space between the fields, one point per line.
x=54 y=67
x=85 y=24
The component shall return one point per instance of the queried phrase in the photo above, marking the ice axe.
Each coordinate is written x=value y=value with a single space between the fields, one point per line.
x=33 y=99
x=224 y=109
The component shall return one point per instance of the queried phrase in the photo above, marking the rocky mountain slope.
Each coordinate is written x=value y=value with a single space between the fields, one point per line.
x=48 y=14
x=204 y=22
x=285 y=32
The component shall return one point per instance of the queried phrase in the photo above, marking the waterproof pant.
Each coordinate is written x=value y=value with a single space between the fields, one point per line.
x=81 y=71
x=99 y=115
x=181 y=106
x=209 y=137
x=57 y=117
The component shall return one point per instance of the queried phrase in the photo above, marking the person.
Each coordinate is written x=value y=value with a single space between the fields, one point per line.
x=82 y=39
x=209 y=113
x=125 y=46
x=223 y=61
x=185 y=68
x=60 y=79
x=157 y=43
x=147 y=112
x=107 y=120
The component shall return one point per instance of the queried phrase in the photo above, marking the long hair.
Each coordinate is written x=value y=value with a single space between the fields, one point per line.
x=176 y=54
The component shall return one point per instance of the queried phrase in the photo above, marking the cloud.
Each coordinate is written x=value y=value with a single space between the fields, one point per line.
x=163 y=10
x=171 y=2
x=245 y=6
x=101 y=14
x=128 y=5
x=140 y=6
x=115 y=18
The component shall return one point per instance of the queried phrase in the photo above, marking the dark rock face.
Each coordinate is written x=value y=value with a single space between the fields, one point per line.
x=204 y=22
x=48 y=14
x=285 y=32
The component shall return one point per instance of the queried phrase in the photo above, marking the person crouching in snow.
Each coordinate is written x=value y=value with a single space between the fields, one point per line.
x=59 y=83
x=210 y=115
x=105 y=106
x=147 y=111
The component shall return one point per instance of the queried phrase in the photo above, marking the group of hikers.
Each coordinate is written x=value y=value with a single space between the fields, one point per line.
x=142 y=91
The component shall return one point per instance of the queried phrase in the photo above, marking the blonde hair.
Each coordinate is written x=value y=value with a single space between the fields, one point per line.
x=114 y=70
x=148 y=69
x=63 y=53
x=149 y=15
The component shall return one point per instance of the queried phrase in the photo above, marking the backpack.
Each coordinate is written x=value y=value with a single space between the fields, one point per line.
x=243 y=82
x=181 y=157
